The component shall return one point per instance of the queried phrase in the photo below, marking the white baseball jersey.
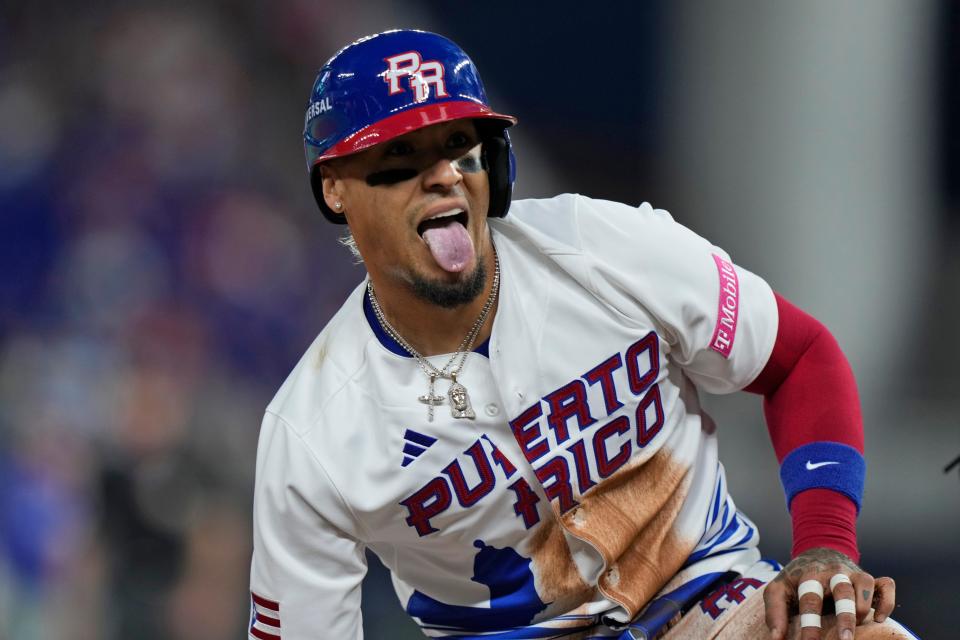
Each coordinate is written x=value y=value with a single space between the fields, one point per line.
x=587 y=488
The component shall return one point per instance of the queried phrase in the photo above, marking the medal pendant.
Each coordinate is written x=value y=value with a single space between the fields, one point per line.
x=460 y=401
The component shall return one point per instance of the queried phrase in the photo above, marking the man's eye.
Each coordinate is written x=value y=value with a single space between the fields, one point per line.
x=458 y=140
x=399 y=149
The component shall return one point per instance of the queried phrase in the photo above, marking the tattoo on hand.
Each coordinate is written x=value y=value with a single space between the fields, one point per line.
x=817 y=560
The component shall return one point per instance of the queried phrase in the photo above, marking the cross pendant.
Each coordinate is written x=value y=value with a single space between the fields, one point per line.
x=431 y=399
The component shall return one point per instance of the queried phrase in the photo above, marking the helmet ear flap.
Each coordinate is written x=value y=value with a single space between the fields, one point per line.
x=316 y=185
x=496 y=160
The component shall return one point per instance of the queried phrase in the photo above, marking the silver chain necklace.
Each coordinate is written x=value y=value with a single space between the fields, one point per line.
x=457 y=393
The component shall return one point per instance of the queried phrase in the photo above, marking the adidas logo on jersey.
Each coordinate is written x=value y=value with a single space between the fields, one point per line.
x=414 y=446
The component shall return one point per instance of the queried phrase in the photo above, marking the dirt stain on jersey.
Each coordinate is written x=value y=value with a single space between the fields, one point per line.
x=558 y=580
x=321 y=355
x=629 y=518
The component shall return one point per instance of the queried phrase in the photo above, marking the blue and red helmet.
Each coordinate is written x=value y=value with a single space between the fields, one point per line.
x=391 y=83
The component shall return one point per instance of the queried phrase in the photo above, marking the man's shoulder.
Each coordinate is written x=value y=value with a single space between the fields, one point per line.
x=331 y=361
x=559 y=223
x=574 y=204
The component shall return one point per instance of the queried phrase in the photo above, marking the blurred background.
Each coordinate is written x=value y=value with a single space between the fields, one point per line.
x=162 y=265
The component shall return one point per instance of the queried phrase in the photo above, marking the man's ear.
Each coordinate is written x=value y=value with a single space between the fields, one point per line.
x=332 y=187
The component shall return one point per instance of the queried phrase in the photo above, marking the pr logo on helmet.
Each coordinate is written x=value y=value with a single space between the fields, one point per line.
x=420 y=75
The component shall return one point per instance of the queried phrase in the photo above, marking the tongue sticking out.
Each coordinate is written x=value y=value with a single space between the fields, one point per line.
x=450 y=245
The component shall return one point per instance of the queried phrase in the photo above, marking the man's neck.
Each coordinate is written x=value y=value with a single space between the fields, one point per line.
x=430 y=328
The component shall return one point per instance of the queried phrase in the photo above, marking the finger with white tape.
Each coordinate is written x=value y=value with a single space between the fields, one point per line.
x=845 y=605
x=843 y=593
x=839 y=578
x=809 y=620
x=810 y=595
x=810 y=586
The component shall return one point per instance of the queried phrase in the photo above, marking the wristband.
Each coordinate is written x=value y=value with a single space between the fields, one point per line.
x=824 y=465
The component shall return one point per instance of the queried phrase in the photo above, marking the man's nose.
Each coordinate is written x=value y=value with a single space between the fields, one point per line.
x=442 y=175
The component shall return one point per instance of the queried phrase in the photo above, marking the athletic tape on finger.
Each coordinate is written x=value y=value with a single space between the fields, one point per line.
x=845 y=605
x=809 y=620
x=809 y=586
x=839 y=578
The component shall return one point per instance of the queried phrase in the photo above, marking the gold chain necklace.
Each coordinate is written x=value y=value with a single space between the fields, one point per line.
x=460 y=406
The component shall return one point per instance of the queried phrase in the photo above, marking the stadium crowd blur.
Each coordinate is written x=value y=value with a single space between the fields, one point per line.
x=161 y=269
x=157 y=285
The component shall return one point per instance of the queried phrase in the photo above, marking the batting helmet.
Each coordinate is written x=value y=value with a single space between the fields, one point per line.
x=391 y=83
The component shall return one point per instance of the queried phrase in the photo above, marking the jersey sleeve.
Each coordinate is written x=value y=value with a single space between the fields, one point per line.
x=719 y=318
x=307 y=569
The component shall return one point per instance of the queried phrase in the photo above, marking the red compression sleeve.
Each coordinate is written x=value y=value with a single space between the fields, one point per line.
x=810 y=396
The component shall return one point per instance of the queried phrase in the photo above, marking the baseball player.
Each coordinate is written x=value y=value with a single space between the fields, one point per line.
x=506 y=410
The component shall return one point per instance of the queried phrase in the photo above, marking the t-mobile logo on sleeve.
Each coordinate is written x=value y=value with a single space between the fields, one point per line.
x=727 y=308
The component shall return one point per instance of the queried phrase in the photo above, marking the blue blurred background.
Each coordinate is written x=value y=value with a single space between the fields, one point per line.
x=162 y=265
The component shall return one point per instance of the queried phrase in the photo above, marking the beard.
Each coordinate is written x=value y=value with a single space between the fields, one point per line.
x=450 y=295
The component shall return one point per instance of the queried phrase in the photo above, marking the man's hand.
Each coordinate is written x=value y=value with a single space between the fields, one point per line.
x=822 y=573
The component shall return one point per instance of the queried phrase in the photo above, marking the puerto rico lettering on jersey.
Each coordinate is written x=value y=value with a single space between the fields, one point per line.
x=562 y=423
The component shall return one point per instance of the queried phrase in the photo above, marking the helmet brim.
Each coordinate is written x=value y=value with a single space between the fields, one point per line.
x=411 y=120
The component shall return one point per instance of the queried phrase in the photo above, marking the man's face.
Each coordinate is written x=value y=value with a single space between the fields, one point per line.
x=417 y=208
